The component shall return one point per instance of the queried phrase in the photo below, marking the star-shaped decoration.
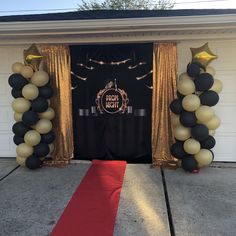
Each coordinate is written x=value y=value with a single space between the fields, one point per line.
x=32 y=57
x=203 y=55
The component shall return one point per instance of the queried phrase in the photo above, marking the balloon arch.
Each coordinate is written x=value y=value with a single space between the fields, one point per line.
x=193 y=118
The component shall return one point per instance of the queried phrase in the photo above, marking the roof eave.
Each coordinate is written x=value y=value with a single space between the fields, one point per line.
x=179 y=28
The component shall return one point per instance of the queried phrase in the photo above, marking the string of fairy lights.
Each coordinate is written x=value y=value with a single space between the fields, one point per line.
x=112 y=63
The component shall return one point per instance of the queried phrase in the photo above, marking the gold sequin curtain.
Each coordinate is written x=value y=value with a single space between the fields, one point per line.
x=57 y=64
x=164 y=89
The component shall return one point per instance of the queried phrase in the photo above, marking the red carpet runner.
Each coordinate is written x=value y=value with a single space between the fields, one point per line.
x=93 y=207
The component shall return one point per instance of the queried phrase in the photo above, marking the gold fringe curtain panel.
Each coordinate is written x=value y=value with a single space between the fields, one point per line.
x=57 y=64
x=164 y=90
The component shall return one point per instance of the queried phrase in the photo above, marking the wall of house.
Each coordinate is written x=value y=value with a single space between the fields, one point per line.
x=8 y=55
x=225 y=66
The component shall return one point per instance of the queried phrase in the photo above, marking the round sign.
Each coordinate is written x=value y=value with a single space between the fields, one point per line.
x=111 y=101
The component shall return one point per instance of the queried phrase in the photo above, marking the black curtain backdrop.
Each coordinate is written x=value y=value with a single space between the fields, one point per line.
x=112 y=136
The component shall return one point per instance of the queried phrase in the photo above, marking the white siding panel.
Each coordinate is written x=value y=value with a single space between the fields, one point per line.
x=8 y=55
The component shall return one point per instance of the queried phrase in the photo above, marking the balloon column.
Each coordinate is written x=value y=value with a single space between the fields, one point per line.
x=31 y=90
x=193 y=118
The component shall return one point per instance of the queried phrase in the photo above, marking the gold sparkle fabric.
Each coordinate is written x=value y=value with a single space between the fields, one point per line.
x=164 y=90
x=56 y=60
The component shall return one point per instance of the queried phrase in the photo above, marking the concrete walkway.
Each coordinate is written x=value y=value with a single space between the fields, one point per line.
x=199 y=204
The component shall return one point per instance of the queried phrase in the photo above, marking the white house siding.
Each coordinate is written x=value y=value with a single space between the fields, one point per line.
x=225 y=66
x=8 y=55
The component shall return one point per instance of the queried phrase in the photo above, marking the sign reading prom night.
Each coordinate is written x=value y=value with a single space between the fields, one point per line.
x=112 y=99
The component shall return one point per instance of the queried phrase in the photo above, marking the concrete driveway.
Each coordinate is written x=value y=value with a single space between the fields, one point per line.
x=189 y=204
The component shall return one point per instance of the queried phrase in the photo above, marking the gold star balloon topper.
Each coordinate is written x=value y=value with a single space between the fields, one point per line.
x=203 y=55
x=32 y=57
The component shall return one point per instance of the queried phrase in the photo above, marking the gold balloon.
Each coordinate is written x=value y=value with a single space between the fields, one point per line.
x=27 y=72
x=202 y=55
x=17 y=67
x=24 y=150
x=217 y=86
x=204 y=157
x=175 y=119
x=21 y=160
x=204 y=113
x=182 y=133
x=43 y=126
x=40 y=78
x=33 y=57
x=21 y=105
x=213 y=123
x=212 y=132
x=18 y=116
x=30 y=91
x=192 y=146
x=48 y=114
x=51 y=148
x=191 y=102
x=32 y=138
x=184 y=76
x=186 y=86
x=210 y=70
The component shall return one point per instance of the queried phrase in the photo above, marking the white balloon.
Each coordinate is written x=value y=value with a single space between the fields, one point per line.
x=40 y=78
x=21 y=160
x=210 y=70
x=18 y=116
x=43 y=126
x=30 y=91
x=24 y=150
x=217 y=86
x=17 y=67
x=27 y=72
x=21 y=105
x=191 y=102
x=184 y=76
x=48 y=114
x=204 y=113
x=186 y=86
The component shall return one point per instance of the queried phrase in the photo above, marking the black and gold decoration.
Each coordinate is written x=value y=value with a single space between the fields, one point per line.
x=112 y=92
x=32 y=112
x=193 y=118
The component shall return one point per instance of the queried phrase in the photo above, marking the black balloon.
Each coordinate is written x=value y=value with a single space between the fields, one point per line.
x=208 y=143
x=204 y=82
x=177 y=150
x=18 y=140
x=213 y=155
x=41 y=150
x=33 y=162
x=176 y=106
x=39 y=104
x=209 y=98
x=48 y=138
x=200 y=132
x=188 y=119
x=16 y=93
x=193 y=69
x=17 y=81
x=46 y=91
x=30 y=118
x=179 y=95
x=20 y=129
x=189 y=163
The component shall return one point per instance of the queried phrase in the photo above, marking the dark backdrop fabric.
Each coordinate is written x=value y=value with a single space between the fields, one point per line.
x=112 y=136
